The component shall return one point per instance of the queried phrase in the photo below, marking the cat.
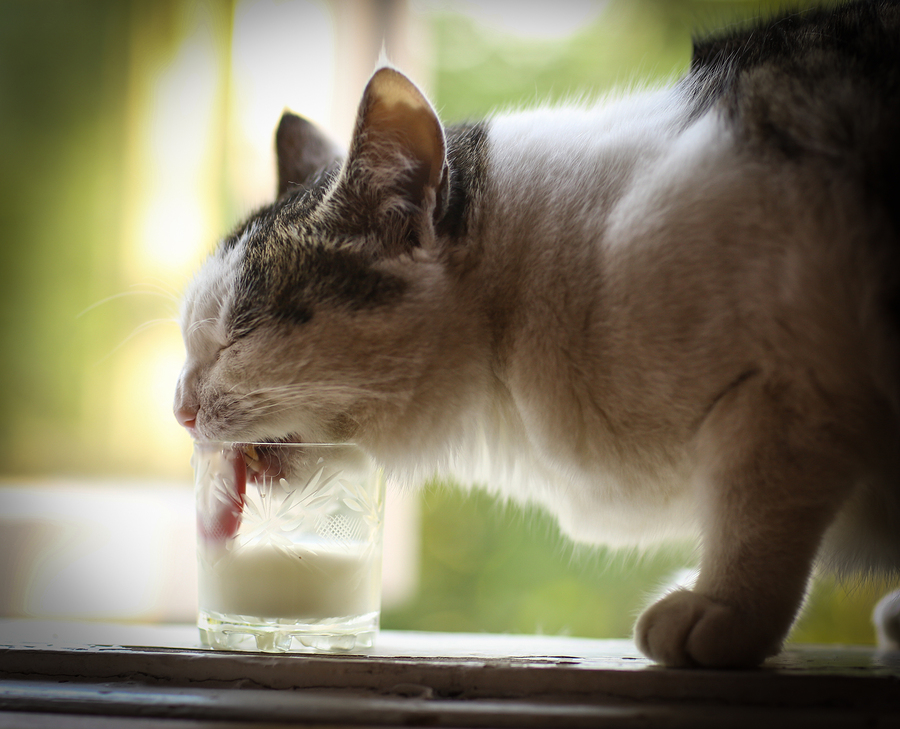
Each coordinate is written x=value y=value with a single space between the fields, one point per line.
x=670 y=314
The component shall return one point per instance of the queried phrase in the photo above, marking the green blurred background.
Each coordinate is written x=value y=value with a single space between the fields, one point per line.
x=128 y=130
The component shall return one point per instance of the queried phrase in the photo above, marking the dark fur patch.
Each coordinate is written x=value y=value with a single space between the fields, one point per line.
x=467 y=157
x=291 y=265
x=819 y=88
x=304 y=252
x=824 y=81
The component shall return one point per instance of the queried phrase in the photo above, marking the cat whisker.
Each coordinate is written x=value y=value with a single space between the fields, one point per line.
x=306 y=390
x=137 y=330
x=325 y=392
x=164 y=289
x=197 y=324
x=124 y=294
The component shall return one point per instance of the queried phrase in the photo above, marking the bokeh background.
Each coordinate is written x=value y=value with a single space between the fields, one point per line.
x=135 y=132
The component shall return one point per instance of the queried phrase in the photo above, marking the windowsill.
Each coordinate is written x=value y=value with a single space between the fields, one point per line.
x=68 y=671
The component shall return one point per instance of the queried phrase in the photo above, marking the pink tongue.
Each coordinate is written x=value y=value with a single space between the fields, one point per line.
x=223 y=517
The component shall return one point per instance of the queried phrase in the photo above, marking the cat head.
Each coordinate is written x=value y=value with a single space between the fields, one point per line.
x=314 y=318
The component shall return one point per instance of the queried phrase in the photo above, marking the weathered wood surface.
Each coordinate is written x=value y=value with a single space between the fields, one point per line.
x=65 y=674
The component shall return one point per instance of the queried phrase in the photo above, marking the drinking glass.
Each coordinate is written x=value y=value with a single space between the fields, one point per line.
x=289 y=546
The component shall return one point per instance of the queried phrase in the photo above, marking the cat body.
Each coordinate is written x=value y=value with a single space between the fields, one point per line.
x=671 y=314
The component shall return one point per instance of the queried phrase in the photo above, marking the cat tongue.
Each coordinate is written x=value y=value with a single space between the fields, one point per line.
x=223 y=517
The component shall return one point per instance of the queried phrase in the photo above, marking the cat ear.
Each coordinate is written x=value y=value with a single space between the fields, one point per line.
x=398 y=153
x=302 y=151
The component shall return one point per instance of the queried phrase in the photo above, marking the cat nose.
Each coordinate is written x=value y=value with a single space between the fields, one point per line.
x=186 y=416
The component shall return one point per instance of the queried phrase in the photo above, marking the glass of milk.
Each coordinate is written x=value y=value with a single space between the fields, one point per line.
x=289 y=544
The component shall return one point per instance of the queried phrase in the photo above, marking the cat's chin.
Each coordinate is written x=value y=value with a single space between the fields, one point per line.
x=215 y=434
x=276 y=439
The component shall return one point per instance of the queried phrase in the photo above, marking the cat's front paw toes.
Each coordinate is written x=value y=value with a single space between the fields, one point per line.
x=688 y=629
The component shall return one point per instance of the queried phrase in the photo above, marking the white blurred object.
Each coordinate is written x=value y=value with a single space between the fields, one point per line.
x=116 y=551
x=126 y=551
x=886 y=617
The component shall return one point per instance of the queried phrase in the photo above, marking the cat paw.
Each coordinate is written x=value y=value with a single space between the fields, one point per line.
x=688 y=629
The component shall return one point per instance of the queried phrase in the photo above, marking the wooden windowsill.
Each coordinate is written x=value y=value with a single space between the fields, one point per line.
x=84 y=674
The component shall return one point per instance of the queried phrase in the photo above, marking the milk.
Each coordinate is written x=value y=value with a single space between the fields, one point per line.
x=311 y=580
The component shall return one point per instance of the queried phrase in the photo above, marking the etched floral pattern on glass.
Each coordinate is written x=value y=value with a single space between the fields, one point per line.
x=302 y=545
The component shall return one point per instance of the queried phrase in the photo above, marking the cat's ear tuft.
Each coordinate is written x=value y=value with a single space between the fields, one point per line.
x=302 y=151
x=398 y=144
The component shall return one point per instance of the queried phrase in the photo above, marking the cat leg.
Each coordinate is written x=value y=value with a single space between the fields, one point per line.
x=770 y=485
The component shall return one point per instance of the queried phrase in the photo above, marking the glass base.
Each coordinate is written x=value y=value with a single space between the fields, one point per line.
x=245 y=633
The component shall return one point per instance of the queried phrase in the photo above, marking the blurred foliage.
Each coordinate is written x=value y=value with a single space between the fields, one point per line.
x=489 y=566
x=840 y=613
x=492 y=567
x=71 y=74
x=479 y=69
x=61 y=132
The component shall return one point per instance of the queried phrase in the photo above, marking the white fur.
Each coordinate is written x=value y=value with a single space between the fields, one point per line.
x=206 y=303
x=586 y=181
